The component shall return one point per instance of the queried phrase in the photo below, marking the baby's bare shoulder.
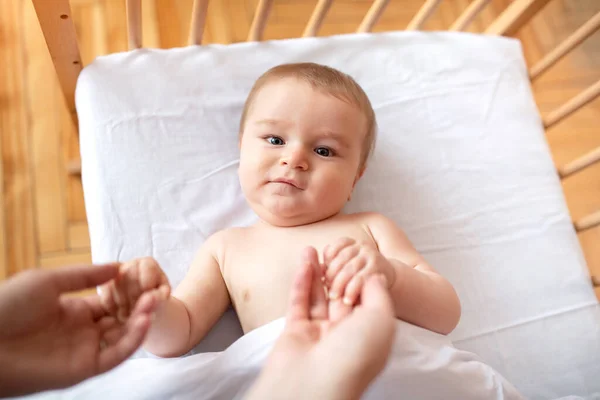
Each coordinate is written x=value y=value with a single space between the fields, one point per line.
x=368 y=218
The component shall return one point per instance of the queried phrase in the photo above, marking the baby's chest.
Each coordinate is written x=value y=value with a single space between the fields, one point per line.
x=265 y=265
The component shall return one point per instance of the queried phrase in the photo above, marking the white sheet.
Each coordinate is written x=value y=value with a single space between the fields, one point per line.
x=413 y=371
x=461 y=164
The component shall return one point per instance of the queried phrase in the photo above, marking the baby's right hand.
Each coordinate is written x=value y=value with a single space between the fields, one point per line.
x=136 y=277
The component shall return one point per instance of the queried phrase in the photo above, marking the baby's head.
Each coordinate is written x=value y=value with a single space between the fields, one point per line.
x=305 y=136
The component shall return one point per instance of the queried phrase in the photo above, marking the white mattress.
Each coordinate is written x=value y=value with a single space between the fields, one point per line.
x=461 y=164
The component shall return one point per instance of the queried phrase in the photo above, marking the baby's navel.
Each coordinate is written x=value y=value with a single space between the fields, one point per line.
x=246 y=295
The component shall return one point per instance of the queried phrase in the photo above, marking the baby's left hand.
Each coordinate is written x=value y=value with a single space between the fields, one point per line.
x=349 y=264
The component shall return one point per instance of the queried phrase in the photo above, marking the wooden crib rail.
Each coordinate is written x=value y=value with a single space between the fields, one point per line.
x=572 y=105
x=515 y=16
x=589 y=221
x=260 y=20
x=134 y=24
x=61 y=38
x=468 y=15
x=421 y=16
x=317 y=17
x=199 y=11
x=585 y=31
x=580 y=163
x=372 y=16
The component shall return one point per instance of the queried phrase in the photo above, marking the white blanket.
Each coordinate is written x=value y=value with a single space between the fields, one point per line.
x=461 y=165
x=414 y=371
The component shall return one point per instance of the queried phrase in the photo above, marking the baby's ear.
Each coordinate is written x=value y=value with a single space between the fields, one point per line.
x=359 y=175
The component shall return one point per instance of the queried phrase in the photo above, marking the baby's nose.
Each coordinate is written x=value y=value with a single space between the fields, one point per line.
x=295 y=158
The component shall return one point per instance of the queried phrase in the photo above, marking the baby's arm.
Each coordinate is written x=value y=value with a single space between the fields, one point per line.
x=421 y=296
x=195 y=306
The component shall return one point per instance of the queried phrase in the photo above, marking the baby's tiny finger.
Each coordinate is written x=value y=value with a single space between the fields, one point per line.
x=165 y=291
x=342 y=258
x=332 y=250
x=340 y=281
x=353 y=289
x=150 y=275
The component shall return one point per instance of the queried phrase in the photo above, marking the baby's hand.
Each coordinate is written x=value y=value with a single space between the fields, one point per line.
x=349 y=264
x=135 y=278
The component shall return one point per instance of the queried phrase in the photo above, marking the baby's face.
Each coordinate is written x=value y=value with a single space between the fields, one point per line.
x=299 y=153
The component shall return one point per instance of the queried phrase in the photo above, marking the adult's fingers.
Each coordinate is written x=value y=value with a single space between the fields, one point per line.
x=299 y=303
x=375 y=296
x=94 y=303
x=338 y=311
x=147 y=303
x=80 y=277
x=135 y=332
x=318 y=300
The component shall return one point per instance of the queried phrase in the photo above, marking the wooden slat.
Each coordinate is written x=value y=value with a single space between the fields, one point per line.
x=74 y=190
x=572 y=105
x=150 y=33
x=199 y=11
x=585 y=31
x=134 y=24
x=580 y=163
x=517 y=14
x=468 y=15
x=18 y=201
x=588 y=222
x=59 y=31
x=372 y=16
x=317 y=17
x=595 y=280
x=79 y=236
x=259 y=22
x=421 y=16
x=44 y=129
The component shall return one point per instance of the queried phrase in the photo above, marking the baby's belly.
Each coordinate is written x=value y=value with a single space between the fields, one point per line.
x=258 y=305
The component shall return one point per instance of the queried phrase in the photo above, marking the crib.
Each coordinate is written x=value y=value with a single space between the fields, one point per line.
x=60 y=34
x=59 y=31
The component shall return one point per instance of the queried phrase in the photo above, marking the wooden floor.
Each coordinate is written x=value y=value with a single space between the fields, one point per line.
x=42 y=213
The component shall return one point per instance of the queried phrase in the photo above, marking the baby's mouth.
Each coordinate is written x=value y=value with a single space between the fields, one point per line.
x=290 y=182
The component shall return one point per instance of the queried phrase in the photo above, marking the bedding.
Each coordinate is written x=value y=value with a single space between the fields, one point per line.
x=461 y=164
x=422 y=365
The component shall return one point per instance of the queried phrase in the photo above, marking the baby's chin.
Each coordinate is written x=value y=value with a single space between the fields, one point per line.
x=289 y=216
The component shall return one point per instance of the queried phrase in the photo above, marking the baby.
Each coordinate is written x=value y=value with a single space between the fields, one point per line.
x=305 y=136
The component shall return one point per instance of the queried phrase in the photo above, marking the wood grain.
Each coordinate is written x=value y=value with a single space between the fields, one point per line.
x=18 y=205
x=56 y=260
x=79 y=237
x=44 y=130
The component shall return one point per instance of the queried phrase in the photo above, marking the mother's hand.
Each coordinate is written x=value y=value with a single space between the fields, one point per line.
x=318 y=358
x=49 y=340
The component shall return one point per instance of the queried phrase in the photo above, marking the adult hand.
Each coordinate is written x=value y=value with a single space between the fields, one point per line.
x=49 y=340
x=317 y=358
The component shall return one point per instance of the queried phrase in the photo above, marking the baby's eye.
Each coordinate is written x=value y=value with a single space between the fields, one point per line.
x=324 y=151
x=275 y=141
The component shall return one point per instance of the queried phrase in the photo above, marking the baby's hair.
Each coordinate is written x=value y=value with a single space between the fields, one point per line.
x=328 y=80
